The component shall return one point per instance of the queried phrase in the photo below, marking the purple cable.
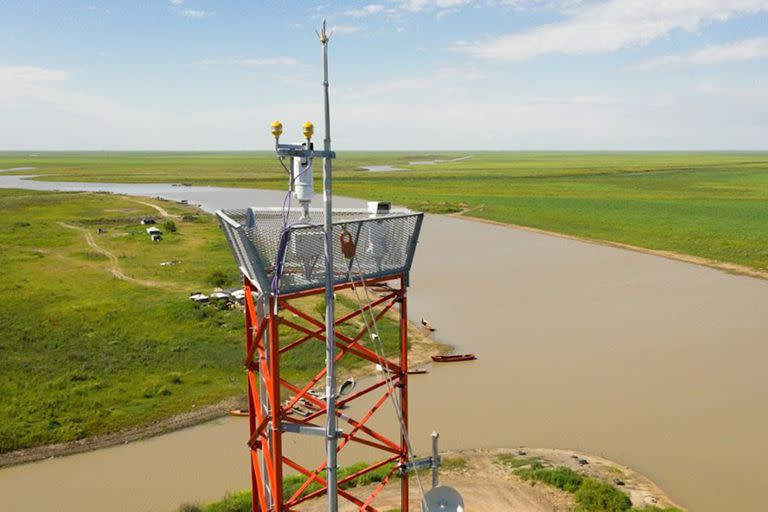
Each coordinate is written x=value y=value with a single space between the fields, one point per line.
x=282 y=246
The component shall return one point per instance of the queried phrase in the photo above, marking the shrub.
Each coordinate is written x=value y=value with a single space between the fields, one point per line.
x=169 y=226
x=175 y=378
x=218 y=278
x=560 y=477
x=594 y=496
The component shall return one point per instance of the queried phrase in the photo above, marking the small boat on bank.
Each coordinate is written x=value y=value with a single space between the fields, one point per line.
x=417 y=371
x=309 y=404
x=300 y=411
x=238 y=412
x=454 y=358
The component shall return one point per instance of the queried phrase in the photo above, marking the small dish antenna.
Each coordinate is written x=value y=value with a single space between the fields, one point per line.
x=443 y=499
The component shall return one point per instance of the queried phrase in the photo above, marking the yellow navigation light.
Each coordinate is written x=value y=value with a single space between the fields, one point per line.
x=308 y=129
x=277 y=129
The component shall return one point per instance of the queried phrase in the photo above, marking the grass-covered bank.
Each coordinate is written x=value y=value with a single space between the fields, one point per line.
x=98 y=336
x=83 y=352
x=710 y=205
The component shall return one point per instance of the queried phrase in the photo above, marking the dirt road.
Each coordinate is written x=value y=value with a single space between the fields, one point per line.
x=114 y=265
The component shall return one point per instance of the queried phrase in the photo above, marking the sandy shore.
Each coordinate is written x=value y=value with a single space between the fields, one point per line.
x=486 y=486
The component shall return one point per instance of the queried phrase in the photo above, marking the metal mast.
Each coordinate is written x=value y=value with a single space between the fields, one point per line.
x=330 y=342
x=280 y=262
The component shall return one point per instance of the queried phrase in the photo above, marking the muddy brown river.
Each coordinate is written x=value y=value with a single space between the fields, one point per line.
x=657 y=364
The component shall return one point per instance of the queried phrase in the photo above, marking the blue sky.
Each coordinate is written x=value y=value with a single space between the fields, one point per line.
x=405 y=74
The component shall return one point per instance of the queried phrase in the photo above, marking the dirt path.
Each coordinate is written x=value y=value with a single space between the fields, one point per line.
x=160 y=210
x=486 y=486
x=114 y=267
x=733 y=268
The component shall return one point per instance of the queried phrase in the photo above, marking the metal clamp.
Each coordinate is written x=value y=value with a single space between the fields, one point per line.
x=296 y=428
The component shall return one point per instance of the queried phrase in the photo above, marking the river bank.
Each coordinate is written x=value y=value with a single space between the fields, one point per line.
x=725 y=266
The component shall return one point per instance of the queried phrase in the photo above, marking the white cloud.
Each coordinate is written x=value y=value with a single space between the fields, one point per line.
x=31 y=74
x=442 y=79
x=421 y=5
x=279 y=60
x=196 y=13
x=748 y=49
x=609 y=26
x=345 y=29
x=366 y=10
x=41 y=116
x=265 y=61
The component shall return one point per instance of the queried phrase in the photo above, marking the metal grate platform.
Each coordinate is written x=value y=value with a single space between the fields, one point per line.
x=383 y=245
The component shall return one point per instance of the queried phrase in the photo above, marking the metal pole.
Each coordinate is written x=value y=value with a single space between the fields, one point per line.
x=330 y=338
x=404 y=483
x=435 y=456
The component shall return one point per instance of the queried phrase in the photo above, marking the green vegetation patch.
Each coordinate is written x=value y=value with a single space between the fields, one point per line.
x=509 y=461
x=599 y=496
x=561 y=477
x=590 y=495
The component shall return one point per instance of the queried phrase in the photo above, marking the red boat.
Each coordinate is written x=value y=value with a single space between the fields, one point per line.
x=453 y=358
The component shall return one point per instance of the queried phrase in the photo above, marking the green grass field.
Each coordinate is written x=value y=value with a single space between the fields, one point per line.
x=711 y=205
x=83 y=352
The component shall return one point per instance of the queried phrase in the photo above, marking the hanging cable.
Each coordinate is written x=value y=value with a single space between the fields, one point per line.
x=283 y=244
x=379 y=348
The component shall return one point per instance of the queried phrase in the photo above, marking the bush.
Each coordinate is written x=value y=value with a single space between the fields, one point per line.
x=218 y=278
x=238 y=502
x=175 y=378
x=560 y=477
x=594 y=496
x=169 y=226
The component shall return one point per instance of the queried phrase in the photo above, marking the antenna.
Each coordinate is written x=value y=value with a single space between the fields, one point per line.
x=443 y=499
x=331 y=435
x=302 y=187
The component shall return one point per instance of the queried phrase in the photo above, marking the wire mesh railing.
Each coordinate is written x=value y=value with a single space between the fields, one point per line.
x=282 y=254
